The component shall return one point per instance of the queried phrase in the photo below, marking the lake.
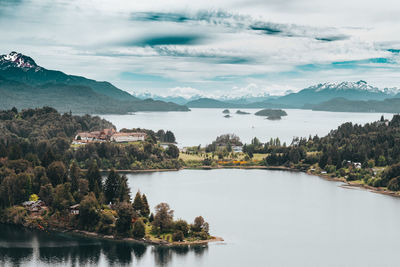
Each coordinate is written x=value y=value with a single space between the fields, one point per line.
x=202 y=126
x=267 y=218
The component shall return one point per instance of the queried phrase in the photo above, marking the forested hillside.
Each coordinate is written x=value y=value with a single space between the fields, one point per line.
x=36 y=151
x=369 y=153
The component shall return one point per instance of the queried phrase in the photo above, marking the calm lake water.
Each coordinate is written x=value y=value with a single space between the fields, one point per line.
x=202 y=126
x=267 y=218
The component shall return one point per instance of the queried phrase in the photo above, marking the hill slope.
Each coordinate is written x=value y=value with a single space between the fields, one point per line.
x=24 y=84
x=390 y=105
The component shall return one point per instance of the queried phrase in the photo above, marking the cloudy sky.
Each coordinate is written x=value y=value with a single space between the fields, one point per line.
x=219 y=47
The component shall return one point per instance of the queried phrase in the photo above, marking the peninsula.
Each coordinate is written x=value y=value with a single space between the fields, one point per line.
x=50 y=178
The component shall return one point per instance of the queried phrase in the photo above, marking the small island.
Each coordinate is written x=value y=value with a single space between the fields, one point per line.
x=242 y=112
x=226 y=111
x=271 y=114
x=227 y=116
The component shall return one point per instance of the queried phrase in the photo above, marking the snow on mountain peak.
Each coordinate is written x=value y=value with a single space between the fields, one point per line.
x=19 y=60
x=360 y=86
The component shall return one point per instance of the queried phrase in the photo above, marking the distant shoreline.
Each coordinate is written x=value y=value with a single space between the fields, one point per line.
x=347 y=184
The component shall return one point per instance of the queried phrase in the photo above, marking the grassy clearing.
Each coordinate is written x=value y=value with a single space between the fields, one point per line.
x=201 y=157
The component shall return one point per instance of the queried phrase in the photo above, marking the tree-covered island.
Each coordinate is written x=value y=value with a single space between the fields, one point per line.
x=48 y=183
x=271 y=114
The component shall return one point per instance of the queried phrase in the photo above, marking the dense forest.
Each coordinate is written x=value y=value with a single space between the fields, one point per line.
x=389 y=105
x=369 y=153
x=38 y=142
x=37 y=161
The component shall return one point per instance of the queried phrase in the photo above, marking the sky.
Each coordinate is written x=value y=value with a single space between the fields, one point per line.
x=209 y=48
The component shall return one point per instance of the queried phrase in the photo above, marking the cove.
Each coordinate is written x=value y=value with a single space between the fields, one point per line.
x=267 y=218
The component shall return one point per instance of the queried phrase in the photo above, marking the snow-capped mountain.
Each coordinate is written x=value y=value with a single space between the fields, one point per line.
x=358 y=86
x=322 y=92
x=24 y=84
x=18 y=60
x=183 y=99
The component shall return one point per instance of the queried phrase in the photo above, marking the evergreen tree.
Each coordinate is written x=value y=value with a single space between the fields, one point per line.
x=125 y=215
x=137 y=202
x=89 y=212
x=145 y=209
x=57 y=173
x=74 y=173
x=111 y=186
x=94 y=178
x=124 y=192
x=170 y=137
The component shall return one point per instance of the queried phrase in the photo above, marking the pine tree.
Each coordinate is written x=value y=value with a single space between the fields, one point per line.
x=145 y=211
x=74 y=173
x=137 y=202
x=94 y=178
x=124 y=192
x=111 y=186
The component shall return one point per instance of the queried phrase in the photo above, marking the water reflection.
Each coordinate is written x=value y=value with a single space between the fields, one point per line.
x=19 y=246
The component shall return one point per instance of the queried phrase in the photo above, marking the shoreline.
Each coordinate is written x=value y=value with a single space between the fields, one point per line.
x=163 y=243
x=94 y=235
x=347 y=184
x=138 y=241
x=354 y=185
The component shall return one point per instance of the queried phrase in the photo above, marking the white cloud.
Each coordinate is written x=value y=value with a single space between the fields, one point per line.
x=99 y=40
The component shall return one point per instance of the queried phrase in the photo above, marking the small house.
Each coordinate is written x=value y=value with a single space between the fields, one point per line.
x=237 y=149
x=34 y=206
x=128 y=137
x=74 y=209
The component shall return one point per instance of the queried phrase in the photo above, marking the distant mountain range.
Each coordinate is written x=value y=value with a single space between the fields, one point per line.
x=324 y=96
x=24 y=84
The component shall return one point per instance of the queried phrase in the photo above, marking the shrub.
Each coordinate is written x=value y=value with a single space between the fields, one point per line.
x=394 y=184
x=33 y=197
x=178 y=236
x=377 y=182
x=183 y=226
x=203 y=235
x=330 y=168
x=139 y=229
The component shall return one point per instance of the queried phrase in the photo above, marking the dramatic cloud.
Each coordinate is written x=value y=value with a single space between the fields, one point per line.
x=221 y=47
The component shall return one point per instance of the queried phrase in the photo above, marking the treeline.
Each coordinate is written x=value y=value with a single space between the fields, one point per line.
x=37 y=141
x=351 y=151
x=224 y=142
x=160 y=135
x=42 y=136
x=104 y=208
x=38 y=162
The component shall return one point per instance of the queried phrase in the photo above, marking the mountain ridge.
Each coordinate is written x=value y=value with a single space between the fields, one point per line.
x=24 y=84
